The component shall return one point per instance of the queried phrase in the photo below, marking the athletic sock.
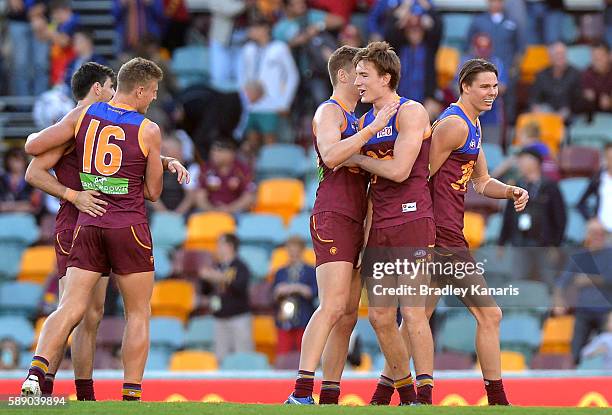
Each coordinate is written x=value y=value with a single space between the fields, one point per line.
x=405 y=388
x=39 y=368
x=85 y=389
x=47 y=386
x=131 y=391
x=425 y=386
x=304 y=384
x=495 y=392
x=330 y=392
x=384 y=391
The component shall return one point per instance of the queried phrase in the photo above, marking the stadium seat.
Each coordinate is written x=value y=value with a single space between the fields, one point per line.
x=512 y=361
x=110 y=332
x=167 y=229
x=163 y=263
x=591 y=363
x=474 y=229
x=260 y=297
x=533 y=61
x=311 y=195
x=494 y=154
x=190 y=65
x=17 y=328
x=283 y=197
x=552 y=127
x=579 y=56
x=534 y=298
x=300 y=226
x=457 y=333
x=575 y=229
x=257 y=259
x=18 y=228
x=493 y=228
x=157 y=359
x=105 y=360
x=204 y=229
x=193 y=360
x=552 y=361
x=557 y=334
x=281 y=160
x=280 y=258
x=36 y=264
x=287 y=361
x=456 y=27
x=594 y=133
x=573 y=189
x=579 y=161
x=453 y=361
x=21 y=298
x=200 y=333
x=265 y=335
x=447 y=62
x=10 y=259
x=521 y=330
x=188 y=262
x=173 y=298
x=250 y=361
x=261 y=230
x=167 y=333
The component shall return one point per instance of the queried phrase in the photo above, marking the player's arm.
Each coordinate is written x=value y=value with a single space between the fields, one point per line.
x=448 y=135
x=55 y=135
x=493 y=188
x=176 y=167
x=327 y=124
x=413 y=126
x=151 y=136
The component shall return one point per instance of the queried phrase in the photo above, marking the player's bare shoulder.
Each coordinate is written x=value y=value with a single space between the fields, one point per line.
x=413 y=115
x=149 y=135
x=451 y=126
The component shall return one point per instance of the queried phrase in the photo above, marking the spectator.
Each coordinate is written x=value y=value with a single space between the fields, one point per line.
x=600 y=188
x=295 y=294
x=545 y=21
x=269 y=62
x=597 y=81
x=588 y=279
x=136 y=18
x=608 y=22
x=9 y=354
x=556 y=88
x=83 y=44
x=227 y=285
x=601 y=345
x=343 y=9
x=542 y=223
x=350 y=36
x=226 y=183
x=16 y=195
x=29 y=59
x=177 y=24
x=63 y=25
x=384 y=12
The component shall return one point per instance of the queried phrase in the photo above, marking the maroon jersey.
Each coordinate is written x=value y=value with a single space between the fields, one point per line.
x=67 y=173
x=345 y=190
x=449 y=184
x=112 y=160
x=223 y=189
x=397 y=203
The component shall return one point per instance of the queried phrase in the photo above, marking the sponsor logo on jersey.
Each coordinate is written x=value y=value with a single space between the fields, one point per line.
x=385 y=132
x=106 y=185
x=409 y=207
x=472 y=144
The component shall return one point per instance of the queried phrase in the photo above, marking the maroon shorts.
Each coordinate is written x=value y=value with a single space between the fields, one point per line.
x=335 y=238
x=123 y=250
x=63 y=241
x=452 y=245
x=420 y=233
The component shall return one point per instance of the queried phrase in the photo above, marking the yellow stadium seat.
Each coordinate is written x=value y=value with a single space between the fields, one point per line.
x=512 y=361
x=265 y=336
x=283 y=197
x=173 y=298
x=533 y=61
x=557 y=334
x=36 y=264
x=203 y=229
x=552 y=128
x=193 y=360
x=447 y=62
x=280 y=258
x=366 y=363
x=474 y=229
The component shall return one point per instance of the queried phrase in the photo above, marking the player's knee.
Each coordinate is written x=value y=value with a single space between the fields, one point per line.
x=489 y=316
x=414 y=315
x=138 y=313
x=333 y=312
x=72 y=313
x=94 y=315
x=348 y=321
x=382 y=318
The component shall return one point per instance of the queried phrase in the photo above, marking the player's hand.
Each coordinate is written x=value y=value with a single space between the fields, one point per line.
x=521 y=197
x=182 y=175
x=383 y=116
x=87 y=202
x=352 y=161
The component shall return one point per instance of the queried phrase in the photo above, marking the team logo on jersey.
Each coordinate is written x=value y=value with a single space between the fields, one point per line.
x=333 y=250
x=385 y=132
x=472 y=144
x=355 y=125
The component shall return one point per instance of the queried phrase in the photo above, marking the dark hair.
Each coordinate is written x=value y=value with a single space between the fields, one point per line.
x=137 y=72
x=10 y=153
x=384 y=58
x=231 y=239
x=601 y=45
x=60 y=4
x=530 y=151
x=340 y=59
x=224 y=143
x=88 y=74
x=471 y=69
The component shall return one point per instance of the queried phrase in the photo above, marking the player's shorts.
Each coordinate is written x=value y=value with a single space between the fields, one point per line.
x=63 y=241
x=451 y=243
x=262 y=122
x=336 y=238
x=420 y=233
x=123 y=250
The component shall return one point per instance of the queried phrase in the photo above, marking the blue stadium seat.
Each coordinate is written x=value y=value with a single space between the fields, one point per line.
x=190 y=65
x=256 y=258
x=300 y=225
x=494 y=153
x=579 y=56
x=21 y=298
x=168 y=229
x=10 y=259
x=311 y=195
x=591 y=363
x=456 y=26
x=457 y=333
x=18 y=328
x=18 y=228
x=573 y=189
x=281 y=160
x=570 y=30
x=167 y=333
x=163 y=263
x=493 y=228
x=262 y=230
x=575 y=228
x=311 y=169
x=596 y=133
x=200 y=333
x=245 y=361
x=520 y=330
x=534 y=298
x=158 y=359
x=367 y=335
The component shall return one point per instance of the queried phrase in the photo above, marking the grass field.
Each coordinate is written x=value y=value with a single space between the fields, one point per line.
x=197 y=408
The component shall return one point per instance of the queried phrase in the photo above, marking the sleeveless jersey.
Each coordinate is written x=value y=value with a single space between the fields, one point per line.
x=449 y=184
x=397 y=203
x=112 y=160
x=345 y=190
x=67 y=173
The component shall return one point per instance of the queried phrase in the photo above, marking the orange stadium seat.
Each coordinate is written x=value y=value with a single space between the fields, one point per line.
x=265 y=335
x=36 y=264
x=557 y=334
x=366 y=363
x=474 y=229
x=193 y=360
x=173 y=298
x=203 y=229
x=280 y=258
x=510 y=362
x=533 y=61
x=447 y=62
x=551 y=126
x=283 y=197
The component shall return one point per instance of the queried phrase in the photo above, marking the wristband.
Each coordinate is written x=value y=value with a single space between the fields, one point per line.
x=70 y=195
x=509 y=192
